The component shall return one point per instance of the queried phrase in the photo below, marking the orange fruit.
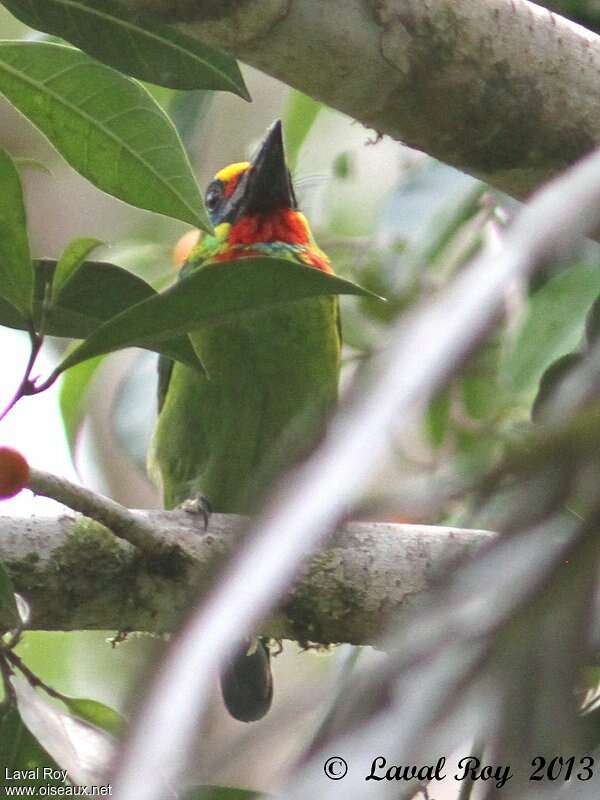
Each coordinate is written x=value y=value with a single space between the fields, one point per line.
x=14 y=472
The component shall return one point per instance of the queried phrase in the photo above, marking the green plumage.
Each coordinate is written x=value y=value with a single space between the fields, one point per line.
x=272 y=378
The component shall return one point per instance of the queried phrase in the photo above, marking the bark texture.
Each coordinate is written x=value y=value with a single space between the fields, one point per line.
x=503 y=89
x=77 y=575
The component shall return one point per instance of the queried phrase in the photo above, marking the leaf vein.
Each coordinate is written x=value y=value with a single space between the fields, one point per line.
x=94 y=122
x=133 y=29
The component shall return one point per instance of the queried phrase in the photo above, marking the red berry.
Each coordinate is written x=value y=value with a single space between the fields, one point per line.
x=14 y=472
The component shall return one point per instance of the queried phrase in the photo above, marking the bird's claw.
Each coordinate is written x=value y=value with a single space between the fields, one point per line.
x=198 y=505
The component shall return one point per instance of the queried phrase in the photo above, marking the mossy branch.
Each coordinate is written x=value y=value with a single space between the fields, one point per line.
x=77 y=575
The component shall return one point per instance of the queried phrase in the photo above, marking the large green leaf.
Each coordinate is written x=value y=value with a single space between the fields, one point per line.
x=96 y=293
x=71 y=260
x=107 y=126
x=96 y=713
x=16 y=273
x=553 y=325
x=11 y=317
x=73 y=398
x=551 y=380
x=210 y=294
x=133 y=43
x=300 y=115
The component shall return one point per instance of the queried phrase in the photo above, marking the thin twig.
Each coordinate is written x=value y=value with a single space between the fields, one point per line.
x=34 y=681
x=25 y=385
x=9 y=692
x=123 y=522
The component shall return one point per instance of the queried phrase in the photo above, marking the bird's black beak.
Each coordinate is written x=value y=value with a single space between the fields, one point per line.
x=267 y=185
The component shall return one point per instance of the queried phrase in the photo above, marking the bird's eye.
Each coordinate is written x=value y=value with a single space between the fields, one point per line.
x=213 y=197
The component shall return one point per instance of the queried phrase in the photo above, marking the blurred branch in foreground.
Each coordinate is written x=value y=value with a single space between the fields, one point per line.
x=427 y=347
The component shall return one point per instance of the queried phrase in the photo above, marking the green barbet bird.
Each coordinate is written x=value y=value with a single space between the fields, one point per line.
x=272 y=377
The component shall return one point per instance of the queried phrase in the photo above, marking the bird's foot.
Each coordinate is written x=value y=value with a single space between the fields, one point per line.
x=279 y=650
x=198 y=505
x=119 y=637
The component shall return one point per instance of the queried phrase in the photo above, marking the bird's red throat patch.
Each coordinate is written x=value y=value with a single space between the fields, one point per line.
x=279 y=226
x=285 y=225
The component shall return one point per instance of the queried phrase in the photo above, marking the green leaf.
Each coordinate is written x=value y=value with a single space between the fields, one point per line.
x=437 y=418
x=551 y=380
x=72 y=258
x=552 y=327
x=16 y=272
x=481 y=394
x=108 y=127
x=96 y=293
x=299 y=117
x=134 y=43
x=20 y=750
x=73 y=396
x=210 y=294
x=11 y=317
x=97 y=713
x=9 y=613
x=592 y=323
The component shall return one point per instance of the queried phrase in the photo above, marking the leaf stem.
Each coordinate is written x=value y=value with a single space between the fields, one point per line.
x=9 y=692
x=33 y=680
x=27 y=386
x=123 y=522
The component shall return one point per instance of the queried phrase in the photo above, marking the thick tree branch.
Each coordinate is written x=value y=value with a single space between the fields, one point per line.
x=586 y=12
x=502 y=89
x=77 y=575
